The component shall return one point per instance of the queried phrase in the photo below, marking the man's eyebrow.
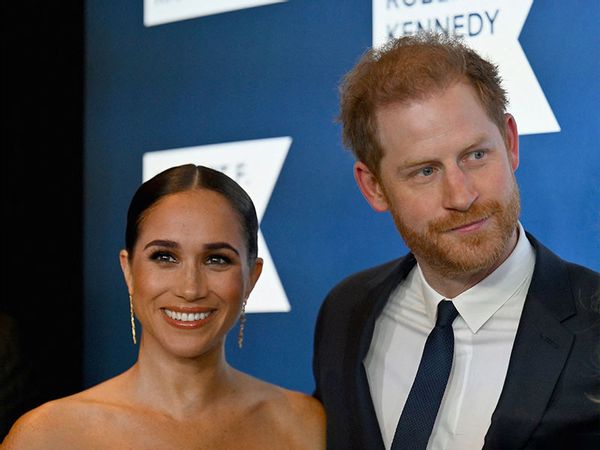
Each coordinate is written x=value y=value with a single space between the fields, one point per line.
x=478 y=142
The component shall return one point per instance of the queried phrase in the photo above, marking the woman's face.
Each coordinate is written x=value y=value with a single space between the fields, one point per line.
x=189 y=272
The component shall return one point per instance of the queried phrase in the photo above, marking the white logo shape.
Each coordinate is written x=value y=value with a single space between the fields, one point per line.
x=157 y=12
x=492 y=28
x=255 y=165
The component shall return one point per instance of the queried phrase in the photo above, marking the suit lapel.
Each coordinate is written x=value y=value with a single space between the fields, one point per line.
x=364 y=317
x=541 y=348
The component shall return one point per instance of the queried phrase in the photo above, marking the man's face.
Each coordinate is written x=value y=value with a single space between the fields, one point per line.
x=447 y=178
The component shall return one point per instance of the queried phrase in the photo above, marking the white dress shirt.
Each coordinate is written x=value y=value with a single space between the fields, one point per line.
x=484 y=333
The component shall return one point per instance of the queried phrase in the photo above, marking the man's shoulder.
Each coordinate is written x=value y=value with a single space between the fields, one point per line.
x=550 y=261
x=583 y=276
x=368 y=279
x=553 y=274
x=351 y=304
x=360 y=290
x=585 y=290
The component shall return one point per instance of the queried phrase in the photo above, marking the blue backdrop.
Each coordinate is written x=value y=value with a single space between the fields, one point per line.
x=273 y=71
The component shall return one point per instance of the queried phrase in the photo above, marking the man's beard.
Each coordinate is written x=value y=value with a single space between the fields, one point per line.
x=453 y=255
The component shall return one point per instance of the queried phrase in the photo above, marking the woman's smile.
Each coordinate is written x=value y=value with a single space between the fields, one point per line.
x=188 y=318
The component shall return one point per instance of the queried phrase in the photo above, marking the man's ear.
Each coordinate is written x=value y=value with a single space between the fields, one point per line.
x=125 y=267
x=369 y=185
x=512 y=140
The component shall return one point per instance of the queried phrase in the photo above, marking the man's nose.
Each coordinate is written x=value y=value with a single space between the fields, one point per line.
x=459 y=190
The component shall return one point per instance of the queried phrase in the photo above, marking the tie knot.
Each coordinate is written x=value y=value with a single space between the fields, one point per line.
x=446 y=313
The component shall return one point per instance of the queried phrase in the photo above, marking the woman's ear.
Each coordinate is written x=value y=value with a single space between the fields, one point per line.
x=253 y=276
x=126 y=268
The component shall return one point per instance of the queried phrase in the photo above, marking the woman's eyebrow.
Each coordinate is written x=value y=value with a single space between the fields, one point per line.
x=161 y=243
x=218 y=245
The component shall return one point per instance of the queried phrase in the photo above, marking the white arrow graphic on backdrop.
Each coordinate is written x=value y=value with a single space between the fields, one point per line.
x=255 y=165
x=492 y=28
x=165 y=11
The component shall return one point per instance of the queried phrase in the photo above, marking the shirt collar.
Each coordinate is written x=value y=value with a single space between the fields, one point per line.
x=479 y=303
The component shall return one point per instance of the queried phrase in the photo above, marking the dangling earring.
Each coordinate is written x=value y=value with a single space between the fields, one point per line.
x=132 y=321
x=240 y=341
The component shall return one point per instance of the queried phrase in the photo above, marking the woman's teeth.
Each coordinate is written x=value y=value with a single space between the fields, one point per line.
x=187 y=317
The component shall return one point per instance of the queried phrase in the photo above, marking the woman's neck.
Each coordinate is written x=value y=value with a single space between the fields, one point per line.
x=181 y=386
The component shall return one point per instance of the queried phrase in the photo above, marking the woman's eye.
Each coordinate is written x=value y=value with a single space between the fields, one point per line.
x=219 y=260
x=163 y=257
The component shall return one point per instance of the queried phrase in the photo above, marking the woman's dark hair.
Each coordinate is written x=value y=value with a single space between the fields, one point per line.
x=186 y=178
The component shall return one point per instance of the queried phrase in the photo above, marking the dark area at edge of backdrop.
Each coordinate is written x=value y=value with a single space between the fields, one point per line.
x=42 y=195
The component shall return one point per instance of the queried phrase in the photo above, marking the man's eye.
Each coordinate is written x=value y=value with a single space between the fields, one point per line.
x=479 y=154
x=426 y=171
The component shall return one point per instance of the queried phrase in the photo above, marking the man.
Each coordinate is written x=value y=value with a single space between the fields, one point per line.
x=425 y=118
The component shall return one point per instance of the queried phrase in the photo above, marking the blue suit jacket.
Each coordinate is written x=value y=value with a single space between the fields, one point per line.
x=547 y=401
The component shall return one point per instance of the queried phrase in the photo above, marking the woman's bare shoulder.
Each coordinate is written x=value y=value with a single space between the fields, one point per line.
x=59 y=423
x=44 y=427
x=302 y=417
x=302 y=406
x=299 y=416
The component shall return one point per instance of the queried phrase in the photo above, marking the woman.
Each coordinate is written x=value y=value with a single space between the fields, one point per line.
x=190 y=262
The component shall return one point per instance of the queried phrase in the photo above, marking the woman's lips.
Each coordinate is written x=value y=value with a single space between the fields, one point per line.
x=187 y=318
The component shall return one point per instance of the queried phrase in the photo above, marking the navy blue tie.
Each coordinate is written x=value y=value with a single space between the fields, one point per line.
x=421 y=408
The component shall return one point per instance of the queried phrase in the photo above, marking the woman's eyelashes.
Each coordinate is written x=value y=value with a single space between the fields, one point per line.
x=219 y=260
x=162 y=256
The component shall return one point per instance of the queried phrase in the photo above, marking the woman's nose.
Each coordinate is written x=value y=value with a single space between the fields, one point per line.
x=192 y=284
